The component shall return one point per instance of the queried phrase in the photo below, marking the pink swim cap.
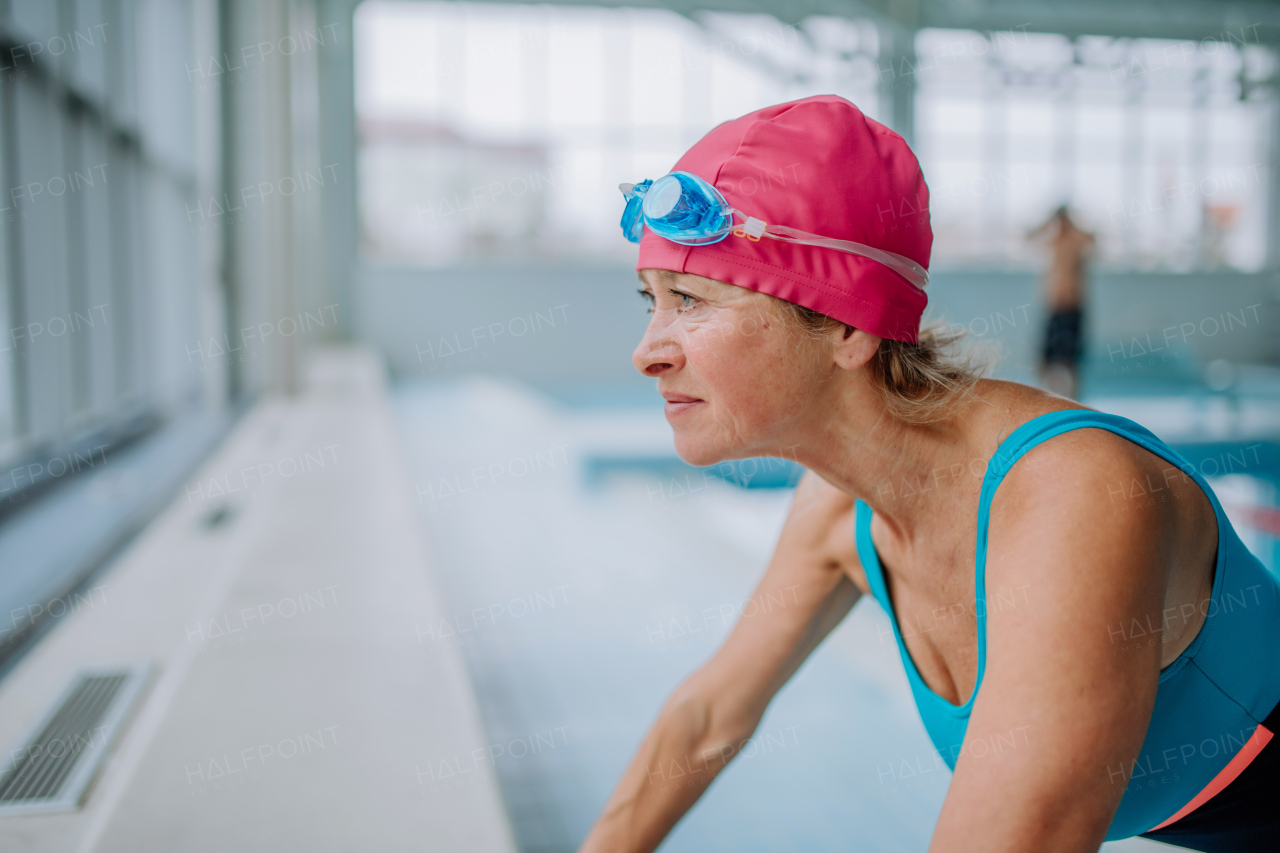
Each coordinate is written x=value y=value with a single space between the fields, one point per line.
x=817 y=164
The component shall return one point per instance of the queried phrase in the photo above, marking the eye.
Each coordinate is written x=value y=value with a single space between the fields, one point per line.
x=683 y=296
x=648 y=297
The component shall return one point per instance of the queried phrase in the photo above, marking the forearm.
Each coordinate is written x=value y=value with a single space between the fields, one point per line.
x=804 y=593
x=678 y=759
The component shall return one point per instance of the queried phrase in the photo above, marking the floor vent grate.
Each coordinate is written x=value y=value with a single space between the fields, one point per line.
x=51 y=768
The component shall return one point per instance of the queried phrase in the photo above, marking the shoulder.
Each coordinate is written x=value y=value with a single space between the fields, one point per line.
x=1066 y=518
x=1085 y=455
x=1086 y=475
x=1088 y=465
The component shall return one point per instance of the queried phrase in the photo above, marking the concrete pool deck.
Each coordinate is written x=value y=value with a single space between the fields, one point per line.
x=294 y=707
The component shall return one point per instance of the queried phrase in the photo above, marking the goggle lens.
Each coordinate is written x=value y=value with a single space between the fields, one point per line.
x=680 y=207
x=663 y=199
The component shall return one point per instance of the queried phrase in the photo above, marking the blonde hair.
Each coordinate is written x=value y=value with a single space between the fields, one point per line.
x=922 y=382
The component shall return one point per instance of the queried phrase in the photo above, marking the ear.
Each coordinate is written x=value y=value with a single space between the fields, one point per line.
x=856 y=348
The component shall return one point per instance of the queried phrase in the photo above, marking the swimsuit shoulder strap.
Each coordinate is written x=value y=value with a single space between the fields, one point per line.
x=1024 y=438
x=867 y=553
x=1012 y=449
x=1046 y=426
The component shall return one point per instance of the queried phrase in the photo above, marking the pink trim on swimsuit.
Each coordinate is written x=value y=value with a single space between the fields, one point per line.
x=1261 y=736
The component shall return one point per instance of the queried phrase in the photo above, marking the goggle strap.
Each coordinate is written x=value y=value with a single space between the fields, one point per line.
x=755 y=227
x=903 y=266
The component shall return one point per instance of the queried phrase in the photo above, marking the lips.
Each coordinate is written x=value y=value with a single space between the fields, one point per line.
x=679 y=403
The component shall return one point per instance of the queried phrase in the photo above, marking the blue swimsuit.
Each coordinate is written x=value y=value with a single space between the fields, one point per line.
x=1205 y=777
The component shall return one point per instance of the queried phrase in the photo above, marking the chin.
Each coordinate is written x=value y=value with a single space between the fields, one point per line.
x=698 y=452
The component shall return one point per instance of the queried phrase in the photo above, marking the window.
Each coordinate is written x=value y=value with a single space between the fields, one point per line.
x=1157 y=146
x=96 y=157
x=491 y=131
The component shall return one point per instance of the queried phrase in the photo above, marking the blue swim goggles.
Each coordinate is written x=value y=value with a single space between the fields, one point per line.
x=685 y=209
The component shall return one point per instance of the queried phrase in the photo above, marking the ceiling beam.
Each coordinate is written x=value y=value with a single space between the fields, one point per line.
x=1253 y=21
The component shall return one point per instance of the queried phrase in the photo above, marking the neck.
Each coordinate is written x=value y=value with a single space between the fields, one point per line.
x=905 y=472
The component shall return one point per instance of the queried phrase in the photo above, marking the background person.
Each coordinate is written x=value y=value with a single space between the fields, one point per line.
x=1064 y=294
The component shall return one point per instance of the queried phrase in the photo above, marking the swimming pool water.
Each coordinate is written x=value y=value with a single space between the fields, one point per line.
x=588 y=572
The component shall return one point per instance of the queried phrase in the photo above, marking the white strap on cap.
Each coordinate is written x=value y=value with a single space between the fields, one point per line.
x=754 y=228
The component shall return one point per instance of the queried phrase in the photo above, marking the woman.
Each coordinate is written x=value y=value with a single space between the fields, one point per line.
x=1097 y=619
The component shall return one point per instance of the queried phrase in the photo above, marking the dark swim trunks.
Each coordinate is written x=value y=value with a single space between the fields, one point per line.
x=1242 y=817
x=1062 y=339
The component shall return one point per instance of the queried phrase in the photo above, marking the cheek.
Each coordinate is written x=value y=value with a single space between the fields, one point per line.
x=726 y=354
x=750 y=367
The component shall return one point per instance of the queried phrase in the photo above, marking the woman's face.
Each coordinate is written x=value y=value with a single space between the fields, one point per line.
x=750 y=377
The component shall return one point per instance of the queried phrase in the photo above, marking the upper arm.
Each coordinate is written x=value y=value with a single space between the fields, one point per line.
x=804 y=594
x=1058 y=706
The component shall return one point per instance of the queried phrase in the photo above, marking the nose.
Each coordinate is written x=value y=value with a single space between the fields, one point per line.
x=657 y=353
